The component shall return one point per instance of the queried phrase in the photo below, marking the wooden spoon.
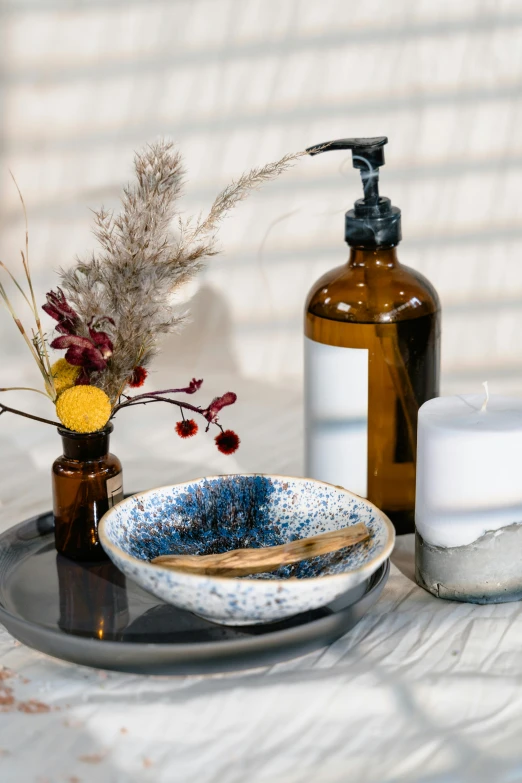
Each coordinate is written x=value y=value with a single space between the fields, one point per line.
x=243 y=562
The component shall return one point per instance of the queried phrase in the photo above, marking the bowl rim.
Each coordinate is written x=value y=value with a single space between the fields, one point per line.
x=374 y=563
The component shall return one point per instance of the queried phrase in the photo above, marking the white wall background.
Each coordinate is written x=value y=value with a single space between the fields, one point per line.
x=241 y=82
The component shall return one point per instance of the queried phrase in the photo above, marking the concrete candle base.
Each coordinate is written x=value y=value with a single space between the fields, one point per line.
x=487 y=571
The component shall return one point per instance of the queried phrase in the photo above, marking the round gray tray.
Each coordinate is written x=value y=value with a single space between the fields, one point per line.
x=92 y=615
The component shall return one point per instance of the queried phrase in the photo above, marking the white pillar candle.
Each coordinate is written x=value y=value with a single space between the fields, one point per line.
x=469 y=492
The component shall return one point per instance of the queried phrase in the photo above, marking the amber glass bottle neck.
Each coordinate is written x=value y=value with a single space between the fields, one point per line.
x=385 y=257
x=84 y=447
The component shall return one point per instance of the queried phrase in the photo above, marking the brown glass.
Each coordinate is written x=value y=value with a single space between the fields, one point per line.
x=80 y=493
x=394 y=312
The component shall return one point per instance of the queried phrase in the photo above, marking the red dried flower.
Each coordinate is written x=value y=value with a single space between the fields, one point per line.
x=227 y=442
x=59 y=308
x=193 y=386
x=92 y=354
x=211 y=413
x=102 y=341
x=138 y=377
x=186 y=428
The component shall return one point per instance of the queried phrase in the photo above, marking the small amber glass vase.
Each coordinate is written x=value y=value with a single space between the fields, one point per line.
x=87 y=481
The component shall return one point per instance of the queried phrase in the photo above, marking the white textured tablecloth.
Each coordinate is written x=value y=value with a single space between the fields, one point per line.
x=421 y=690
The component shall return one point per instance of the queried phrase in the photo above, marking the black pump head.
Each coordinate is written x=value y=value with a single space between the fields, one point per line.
x=373 y=222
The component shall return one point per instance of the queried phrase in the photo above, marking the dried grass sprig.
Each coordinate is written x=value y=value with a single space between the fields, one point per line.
x=37 y=342
x=240 y=189
x=130 y=279
x=141 y=262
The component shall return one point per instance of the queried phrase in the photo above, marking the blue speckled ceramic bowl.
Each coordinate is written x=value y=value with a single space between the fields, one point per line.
x=211 y=515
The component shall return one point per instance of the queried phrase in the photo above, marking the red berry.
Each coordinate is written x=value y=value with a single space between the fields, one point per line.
x=186 y=428
x=138 y=377
x=227 y=442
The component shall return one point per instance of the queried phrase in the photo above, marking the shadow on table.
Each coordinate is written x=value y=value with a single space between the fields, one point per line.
x=403 y=556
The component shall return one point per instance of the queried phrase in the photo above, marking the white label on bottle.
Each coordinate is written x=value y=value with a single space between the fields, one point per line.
x=336 y=415
x=115 y=489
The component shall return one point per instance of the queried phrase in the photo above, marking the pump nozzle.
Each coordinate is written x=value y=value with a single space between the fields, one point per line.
x=373 y=221
x=368 y=157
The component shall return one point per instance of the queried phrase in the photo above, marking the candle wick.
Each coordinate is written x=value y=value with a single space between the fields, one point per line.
x=485 y=403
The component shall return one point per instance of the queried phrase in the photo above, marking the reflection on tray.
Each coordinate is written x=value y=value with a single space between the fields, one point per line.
x=93 y=599
x=164 y=624
x=96 y=602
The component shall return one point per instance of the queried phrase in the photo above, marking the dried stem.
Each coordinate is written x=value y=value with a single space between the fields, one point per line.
x=159 y=392
x=7 y=409
x=17 y=284
x=144 y=399
x=23 y=388
x=30 y=345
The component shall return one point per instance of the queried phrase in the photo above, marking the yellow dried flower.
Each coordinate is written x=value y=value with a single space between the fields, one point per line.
x=83 y=408
x=64 y=375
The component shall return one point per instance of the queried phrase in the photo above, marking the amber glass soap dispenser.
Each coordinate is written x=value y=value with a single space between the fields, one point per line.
x=372 y=336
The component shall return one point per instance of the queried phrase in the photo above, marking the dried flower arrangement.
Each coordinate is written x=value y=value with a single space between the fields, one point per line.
x=111 y=309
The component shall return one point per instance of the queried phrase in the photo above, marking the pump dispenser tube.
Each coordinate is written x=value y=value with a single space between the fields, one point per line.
x=372 y=337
